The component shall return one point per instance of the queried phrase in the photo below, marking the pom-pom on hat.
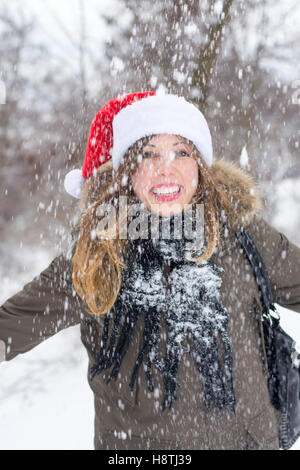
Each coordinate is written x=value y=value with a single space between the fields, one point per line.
x=124 y=120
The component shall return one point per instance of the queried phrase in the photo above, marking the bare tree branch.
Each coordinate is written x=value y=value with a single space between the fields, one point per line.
x=208 y=55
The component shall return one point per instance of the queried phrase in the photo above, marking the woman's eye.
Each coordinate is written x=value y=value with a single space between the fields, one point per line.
x=148 y=154
x=183 y=153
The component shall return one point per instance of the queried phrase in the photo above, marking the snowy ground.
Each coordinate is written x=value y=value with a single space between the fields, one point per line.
x=45 y=400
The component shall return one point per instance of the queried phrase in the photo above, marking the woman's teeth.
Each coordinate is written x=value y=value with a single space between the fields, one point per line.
x=166 y=190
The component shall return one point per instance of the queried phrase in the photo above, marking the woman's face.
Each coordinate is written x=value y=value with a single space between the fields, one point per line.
x=167 y=177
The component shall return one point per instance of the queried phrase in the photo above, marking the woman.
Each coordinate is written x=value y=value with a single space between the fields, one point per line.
x=170 y=322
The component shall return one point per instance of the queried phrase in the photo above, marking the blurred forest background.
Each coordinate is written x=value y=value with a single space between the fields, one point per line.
x=237 y=60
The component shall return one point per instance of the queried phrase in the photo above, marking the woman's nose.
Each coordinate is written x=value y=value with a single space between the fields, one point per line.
x=165 y=160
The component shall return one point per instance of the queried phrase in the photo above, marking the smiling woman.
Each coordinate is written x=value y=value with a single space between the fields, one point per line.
x=174 y=346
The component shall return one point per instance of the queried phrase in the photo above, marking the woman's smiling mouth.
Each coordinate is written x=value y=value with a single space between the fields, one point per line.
x=165 y=192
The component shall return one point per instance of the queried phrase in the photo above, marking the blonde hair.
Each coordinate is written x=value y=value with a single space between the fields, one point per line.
x=99 y=258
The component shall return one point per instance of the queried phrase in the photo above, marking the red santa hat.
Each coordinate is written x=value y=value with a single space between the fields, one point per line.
x=124 y=120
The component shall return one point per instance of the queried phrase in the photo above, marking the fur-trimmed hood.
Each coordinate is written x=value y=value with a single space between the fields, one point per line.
x=242 y=192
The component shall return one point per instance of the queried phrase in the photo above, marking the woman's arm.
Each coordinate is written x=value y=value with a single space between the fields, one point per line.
x=282 y=260
x=45 y=306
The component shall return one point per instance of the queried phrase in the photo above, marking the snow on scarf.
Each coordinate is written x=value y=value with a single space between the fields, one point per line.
x=189 y=304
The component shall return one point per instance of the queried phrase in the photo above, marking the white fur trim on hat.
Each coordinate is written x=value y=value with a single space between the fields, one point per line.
x=160 y=114
x=74 y=182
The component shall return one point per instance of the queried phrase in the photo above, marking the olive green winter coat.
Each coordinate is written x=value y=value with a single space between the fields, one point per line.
x=134 y=420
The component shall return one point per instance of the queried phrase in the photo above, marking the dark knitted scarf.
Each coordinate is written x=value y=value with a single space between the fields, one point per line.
x=187 y=302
